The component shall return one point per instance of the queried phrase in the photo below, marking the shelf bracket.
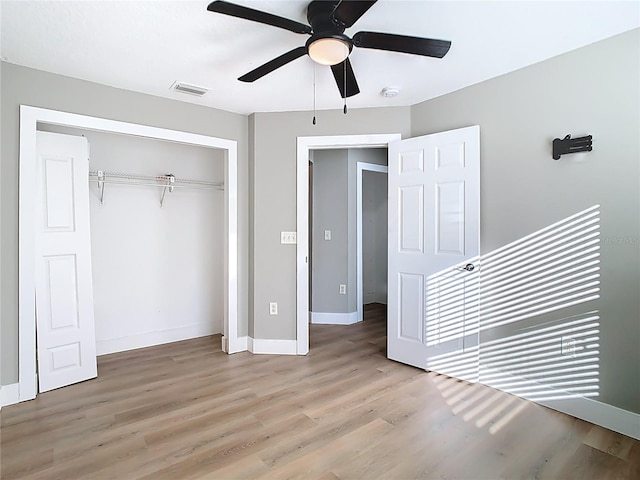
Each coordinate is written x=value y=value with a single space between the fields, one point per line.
x=171 y=180
x=100 y=175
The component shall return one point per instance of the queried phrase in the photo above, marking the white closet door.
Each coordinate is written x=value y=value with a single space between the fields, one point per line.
x=64 y=287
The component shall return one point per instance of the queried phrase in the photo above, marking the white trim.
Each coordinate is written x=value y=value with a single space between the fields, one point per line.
x=148 y=339
x=272 y=346
x=29 y=118
x=304 y=146
x=361 y=167
x=9 y=394
x=598 y=413
x=325 y=318
x=242 y=344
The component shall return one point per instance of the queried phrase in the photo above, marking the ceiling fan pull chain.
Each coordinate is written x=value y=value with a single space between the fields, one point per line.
x=344 y=110
x=314 y=93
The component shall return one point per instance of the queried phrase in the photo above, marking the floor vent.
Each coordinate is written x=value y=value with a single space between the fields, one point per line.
x=190 y=89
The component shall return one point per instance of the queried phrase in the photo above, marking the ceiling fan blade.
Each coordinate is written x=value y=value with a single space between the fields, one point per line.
x=239 y=11
x=349 y=11
x=269 y=67
x=351 y=83
x=429 y=47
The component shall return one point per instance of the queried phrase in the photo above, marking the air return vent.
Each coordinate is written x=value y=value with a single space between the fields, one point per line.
x=190 y=89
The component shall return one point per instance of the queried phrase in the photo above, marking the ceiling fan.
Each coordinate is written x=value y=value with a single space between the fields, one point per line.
x=328 y=45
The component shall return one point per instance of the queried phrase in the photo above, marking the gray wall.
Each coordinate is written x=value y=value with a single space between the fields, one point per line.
x=22 y=85
x=334 y=261
x=368 y=155
x=374 y=237
x=593 y=90
x=376 y=156
x=274 y=176
x=330 y=258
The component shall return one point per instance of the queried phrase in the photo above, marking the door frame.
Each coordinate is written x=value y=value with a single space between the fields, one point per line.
x=361 y=168
x=304 y=147
x=29 y=119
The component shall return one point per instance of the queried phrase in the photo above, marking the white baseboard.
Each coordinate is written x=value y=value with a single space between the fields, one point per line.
x=272 y=347
x=605 y=415
x=9 y=394
x=334 y=318
x=261 y=346
x=378 y=298
x=593 y=411
x=240 y=345
x=104 y=347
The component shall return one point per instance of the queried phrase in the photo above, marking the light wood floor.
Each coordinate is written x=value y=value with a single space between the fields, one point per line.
x=187 y=410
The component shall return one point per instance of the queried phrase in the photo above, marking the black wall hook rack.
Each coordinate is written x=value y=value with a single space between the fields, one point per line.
x=571 y=145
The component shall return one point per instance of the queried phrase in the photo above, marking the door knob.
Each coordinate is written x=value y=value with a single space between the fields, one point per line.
x=469 y=267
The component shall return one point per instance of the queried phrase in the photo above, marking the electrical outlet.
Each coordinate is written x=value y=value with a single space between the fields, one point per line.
x=569 y=346
x=273 y=308
x=288 y=238
x=343 y=289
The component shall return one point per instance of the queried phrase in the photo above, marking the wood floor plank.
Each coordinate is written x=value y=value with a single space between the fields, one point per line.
x=188 y=411
x=610 y=442
x=342 y=449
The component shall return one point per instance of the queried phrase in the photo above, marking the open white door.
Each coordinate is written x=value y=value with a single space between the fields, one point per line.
x=64 y=288
x=434 y=233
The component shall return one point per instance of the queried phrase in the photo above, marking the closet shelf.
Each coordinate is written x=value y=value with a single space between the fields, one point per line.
x=168 y=182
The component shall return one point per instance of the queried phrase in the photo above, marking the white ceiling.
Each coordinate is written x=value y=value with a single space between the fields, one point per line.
x=146 y=46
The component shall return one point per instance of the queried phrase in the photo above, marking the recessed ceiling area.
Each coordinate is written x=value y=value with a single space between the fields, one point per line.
x=148 y=46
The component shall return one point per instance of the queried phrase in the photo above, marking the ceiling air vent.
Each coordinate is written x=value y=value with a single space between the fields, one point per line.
x=190 y=89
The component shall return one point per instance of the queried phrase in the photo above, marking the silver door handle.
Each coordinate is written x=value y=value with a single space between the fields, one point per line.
x=469 y=267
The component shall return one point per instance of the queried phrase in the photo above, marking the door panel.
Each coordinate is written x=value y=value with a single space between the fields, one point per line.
x=59 y=302
x=411 y=307
x=411 y=219
x=434 y=225
x=58 y=194
x=64 y=287
x=449 y=221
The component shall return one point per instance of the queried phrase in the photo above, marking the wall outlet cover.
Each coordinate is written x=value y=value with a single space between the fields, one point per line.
x=288 y=238
x=569 y=346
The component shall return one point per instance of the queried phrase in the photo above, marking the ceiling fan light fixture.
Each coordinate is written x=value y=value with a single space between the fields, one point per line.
x=329 y=51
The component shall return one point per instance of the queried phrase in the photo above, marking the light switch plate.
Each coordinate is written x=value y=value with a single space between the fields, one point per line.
x=288 y=238
x=327 y=234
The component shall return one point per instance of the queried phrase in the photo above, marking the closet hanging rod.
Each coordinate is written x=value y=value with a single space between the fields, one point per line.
x=131 y=184
x=166 y=182
x=95 y=175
